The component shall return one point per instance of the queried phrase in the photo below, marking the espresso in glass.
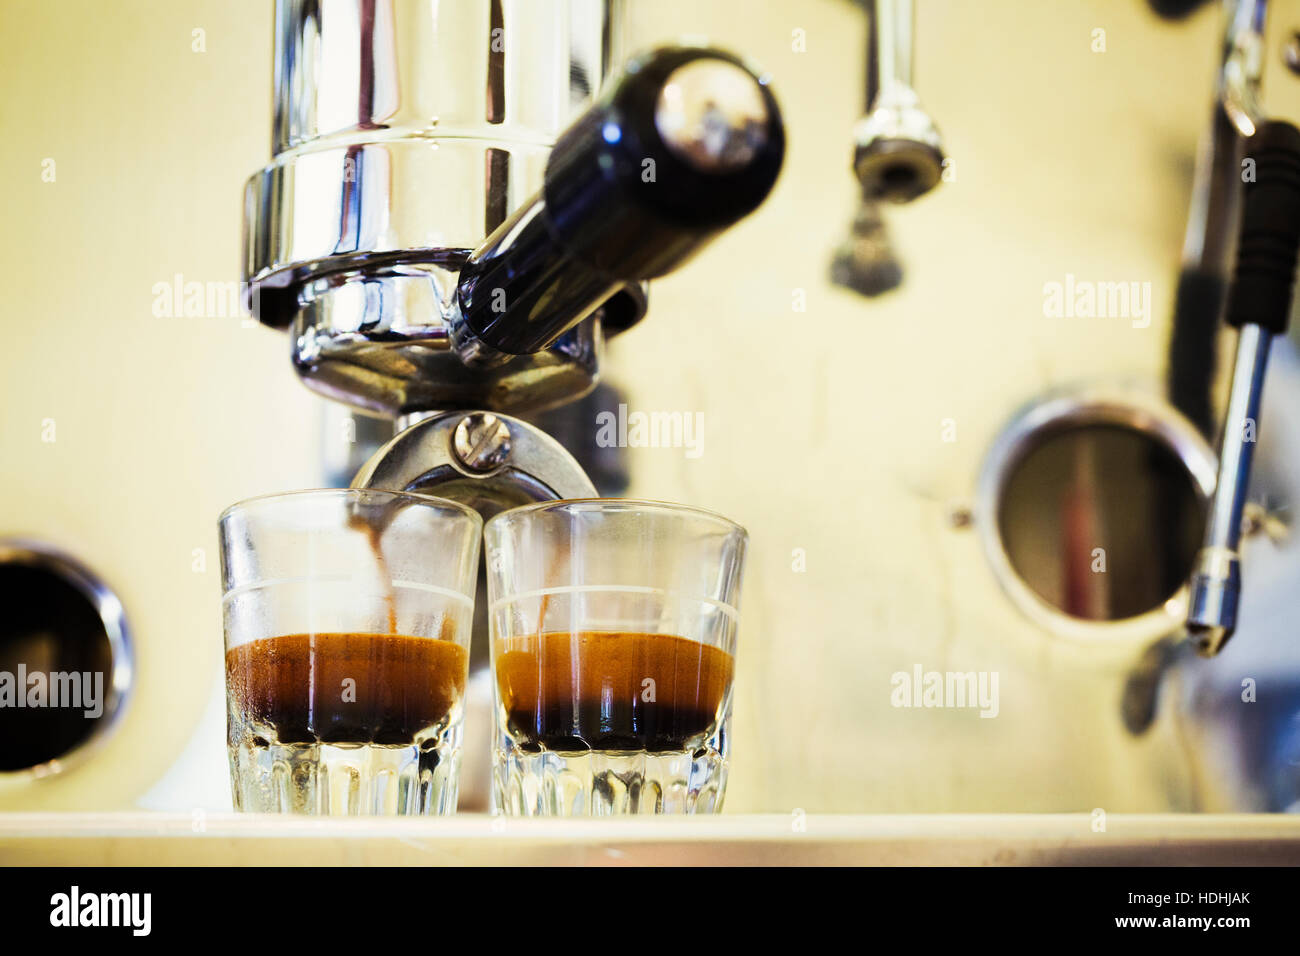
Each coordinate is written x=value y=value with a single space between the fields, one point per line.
x=613 y=639
x=351 y=689
x=611 y=691
x=347 y=652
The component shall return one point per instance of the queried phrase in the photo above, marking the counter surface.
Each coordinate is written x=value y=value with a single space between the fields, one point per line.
x=75 y=839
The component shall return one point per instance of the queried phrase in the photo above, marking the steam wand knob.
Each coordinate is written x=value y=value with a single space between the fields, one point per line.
x=686 y=142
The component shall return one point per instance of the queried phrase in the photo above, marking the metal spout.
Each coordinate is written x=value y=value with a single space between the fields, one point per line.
x=898 y=153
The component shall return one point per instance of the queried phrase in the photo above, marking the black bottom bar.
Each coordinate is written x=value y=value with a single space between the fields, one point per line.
x=244 y=909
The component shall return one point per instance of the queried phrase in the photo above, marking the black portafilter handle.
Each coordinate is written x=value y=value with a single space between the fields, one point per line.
x=1269 y=237
x=686 y=142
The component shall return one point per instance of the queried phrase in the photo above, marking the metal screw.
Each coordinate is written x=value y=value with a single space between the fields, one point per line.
x=481 y=442
x=1291 y=53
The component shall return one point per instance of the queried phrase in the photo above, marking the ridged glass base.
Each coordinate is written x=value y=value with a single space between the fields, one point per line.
x=344 y=780
x=603 y=783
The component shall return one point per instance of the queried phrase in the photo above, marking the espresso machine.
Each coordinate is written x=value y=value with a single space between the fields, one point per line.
x=446 y=250
x=406 y=134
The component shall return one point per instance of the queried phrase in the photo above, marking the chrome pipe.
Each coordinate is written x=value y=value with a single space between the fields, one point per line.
x=1259 y=306
x=898 y=153
x=1210 y=239
x=1216 y=577
x=1243 y=60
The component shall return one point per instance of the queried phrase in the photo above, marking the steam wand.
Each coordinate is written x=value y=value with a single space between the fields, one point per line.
x=1259 y=304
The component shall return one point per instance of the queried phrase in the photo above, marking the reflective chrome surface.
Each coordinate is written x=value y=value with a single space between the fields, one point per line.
x=1243 y=58
x=1211 y=235
x=405 y=125
x=430 y=457
x=481 y=442
x=489 y=462
x=1211 y=224
x=1110 y=406
x=381 y=339
x=112 y=618
x=404 y=132
x=1216 y=582
x=711 y=114
x=1238 y=713
x=865 y=261
x=899 y=154
x=1208 y=250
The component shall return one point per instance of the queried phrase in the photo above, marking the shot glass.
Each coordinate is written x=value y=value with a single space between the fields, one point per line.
x=613 y=626
x=347 y=628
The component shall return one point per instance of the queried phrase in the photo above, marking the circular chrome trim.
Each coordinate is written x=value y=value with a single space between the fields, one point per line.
x=1058 y=412
x=36 y=554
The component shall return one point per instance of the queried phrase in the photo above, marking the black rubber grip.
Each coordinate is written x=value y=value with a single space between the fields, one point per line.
x=620 y=198
x=1198 y=306
x=1175 y=9
x=619 y=206
x=1270 y=230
